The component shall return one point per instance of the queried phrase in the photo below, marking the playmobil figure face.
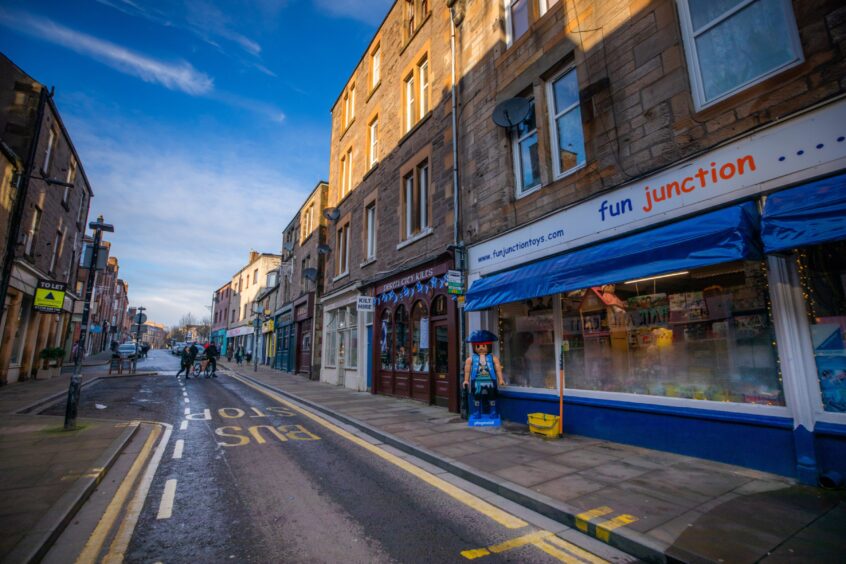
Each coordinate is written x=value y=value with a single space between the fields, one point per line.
x=481 y=348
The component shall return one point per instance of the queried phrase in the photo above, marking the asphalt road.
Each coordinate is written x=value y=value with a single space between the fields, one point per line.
x=249 y=478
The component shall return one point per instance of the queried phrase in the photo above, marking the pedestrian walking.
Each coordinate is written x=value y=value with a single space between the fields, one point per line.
x=186 y=363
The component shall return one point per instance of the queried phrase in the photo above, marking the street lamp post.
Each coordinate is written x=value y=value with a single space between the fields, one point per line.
x=261 y=316
x=139 y=319
x=76 y=380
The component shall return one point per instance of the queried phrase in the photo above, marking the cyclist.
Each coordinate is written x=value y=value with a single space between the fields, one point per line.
x=211 y=357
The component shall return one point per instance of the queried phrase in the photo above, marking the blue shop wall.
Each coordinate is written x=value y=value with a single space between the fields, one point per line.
x=830 y=442
x=760 y=442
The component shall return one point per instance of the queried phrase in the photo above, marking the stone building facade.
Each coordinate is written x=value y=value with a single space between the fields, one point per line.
x=246 y=284
x=649 y=124
x=52 y=197
x=391 y=193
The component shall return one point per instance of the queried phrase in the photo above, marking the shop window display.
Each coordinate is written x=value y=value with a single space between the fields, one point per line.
x=704 y=334
x=385 y=341
x=420 y=338
x=401 y=339
x=527 y=343
x=822 y=273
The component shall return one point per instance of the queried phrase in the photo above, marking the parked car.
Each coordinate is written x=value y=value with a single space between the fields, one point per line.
x=127 y=351
x=177 y=348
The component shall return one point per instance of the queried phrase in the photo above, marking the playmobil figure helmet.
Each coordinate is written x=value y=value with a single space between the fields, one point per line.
x=482 y=337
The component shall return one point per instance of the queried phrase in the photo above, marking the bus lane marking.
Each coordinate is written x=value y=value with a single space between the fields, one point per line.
x=166 y=504
x=494 y=513
x=177 y=450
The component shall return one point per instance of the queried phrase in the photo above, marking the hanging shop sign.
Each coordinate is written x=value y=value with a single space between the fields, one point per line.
x=802 y=148
x=267 y=326
x=455 y=282
x=49 y=296
x=238 y=331
x=366 y=303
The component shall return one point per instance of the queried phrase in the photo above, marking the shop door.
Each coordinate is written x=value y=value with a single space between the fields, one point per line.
x=304 y=347
x=440 y=361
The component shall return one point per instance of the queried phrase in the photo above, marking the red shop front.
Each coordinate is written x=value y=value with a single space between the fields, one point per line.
x=415 y=345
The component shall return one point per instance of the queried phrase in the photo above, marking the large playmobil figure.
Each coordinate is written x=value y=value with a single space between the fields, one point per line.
x=482 y=373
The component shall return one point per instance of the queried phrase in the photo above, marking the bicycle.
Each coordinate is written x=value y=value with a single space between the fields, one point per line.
x=202 y=368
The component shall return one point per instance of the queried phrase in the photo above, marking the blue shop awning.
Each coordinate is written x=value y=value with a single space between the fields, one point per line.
x=712 y=238
x=806 y=215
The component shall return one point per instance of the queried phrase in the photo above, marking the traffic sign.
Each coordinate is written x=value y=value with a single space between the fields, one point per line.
x=139 y=318
x=455 y=282
x=49 y=296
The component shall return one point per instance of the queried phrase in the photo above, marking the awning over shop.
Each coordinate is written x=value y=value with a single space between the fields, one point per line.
x=806 y=215
x=712 y=238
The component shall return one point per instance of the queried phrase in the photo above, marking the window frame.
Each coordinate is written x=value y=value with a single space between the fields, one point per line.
x=415 y=198
x=342 y=249
x=509 y=20
x=370 y=232
x=689 y=36
x=423 y=87
x=515 y=154
x=375 y=66
x=52 y=137
x=373 y=142
x=557 y=174
x=70 y=178
x=409 y=97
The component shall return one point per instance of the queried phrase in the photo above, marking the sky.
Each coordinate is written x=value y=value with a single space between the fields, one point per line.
x=202 y=125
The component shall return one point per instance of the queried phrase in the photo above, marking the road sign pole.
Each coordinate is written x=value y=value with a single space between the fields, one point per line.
x=72 y=406
x=139 y=317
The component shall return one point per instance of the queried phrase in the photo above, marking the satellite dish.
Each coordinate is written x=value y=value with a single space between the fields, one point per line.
x=289 y=245
x=310 y=274
x=324 y=249
x=332 y=214
x=512 y=112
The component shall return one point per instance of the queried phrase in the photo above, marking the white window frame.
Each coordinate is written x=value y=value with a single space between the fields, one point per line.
x=509 y=32
x=422 y=171
x=349 y=171
x=342 y=239
x=691 y=54
x=423 y=79
x=374 y=142
x=553 y=124
x=545 y=5
x=515 y=155
x=34 y=227
x=70 y=178
x=370 y=230
x=409 y=102
x=352 y=104
x=375 y=67
x=55 y=253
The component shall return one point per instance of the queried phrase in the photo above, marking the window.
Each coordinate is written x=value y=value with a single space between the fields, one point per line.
x=822 y=274
x=526 y=161
x=349 y=106
x=373 y=155
x=70 y=178
x=375 y=67
x=401 y=334
x=565 y=123
x=409 y=102
x=255 y=277
x=516 y=19
x=733 y=44
x=423 y=73
x=370 y=231
x=347 y=337
x=307 y=225
x=417 y=97
x=386 y=341
x=546 y=5
x=52 y=135
x=410 y=24
x=419 y=338
x=342 y=248
x=346 y=173
x=34 y=227
x=81 y=207
x=415 y=200
x=54 y=254
x=332 y=338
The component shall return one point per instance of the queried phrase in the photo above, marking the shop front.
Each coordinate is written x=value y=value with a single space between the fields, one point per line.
x=344 y=339
x=415 y=351
x=285 y=339
x=304 y=322
x=700 y=310
x=268 y=336
x=219 y=338
x=240 y=338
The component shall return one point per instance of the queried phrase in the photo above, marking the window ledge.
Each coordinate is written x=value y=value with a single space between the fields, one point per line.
x=373 y=90
x=347 y=128
x=370 y=171
x=414 y=128
x=569 y=172
x=529 y=192
x=340 y=276
x=416 y=31
x=425 y=233
x=368 y=262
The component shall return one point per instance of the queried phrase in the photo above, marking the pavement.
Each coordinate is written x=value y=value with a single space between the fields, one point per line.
x=657 y=506
x=48 y=473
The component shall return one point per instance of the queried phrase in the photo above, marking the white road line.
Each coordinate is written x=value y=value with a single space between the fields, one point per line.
x=166 y=505
x=187 y=411
x=177 y=450
x=183 y=425
x=187 y=400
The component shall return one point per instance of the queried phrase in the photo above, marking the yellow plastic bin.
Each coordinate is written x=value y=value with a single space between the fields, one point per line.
x=544 y=424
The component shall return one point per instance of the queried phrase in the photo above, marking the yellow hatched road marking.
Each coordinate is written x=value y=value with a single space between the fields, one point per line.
x=603 y=529
x=475 y=553
x=544 y=540
x=583 y=518
x=557 y=554
x=483 y=507
x=531 y=538
x=98 y=537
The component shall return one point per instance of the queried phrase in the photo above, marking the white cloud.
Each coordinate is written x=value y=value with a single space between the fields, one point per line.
x=368 y=11
x=179 y=75
x=185 y=215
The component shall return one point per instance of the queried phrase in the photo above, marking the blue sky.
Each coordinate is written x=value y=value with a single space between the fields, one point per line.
x=201 y=124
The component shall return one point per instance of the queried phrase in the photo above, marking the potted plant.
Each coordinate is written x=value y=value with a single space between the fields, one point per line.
x=51 y=362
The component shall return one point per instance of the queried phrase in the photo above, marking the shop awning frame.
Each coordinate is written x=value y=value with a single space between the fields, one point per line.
x=810 y=214
x=712 y=238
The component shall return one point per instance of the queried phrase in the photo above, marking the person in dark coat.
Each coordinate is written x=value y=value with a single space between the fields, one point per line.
x=187 y=362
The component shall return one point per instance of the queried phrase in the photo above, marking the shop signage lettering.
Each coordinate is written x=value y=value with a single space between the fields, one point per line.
x=799 y=149
x=366 y=303
x=49 y=296
x=286 y=318
x=410 y=279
